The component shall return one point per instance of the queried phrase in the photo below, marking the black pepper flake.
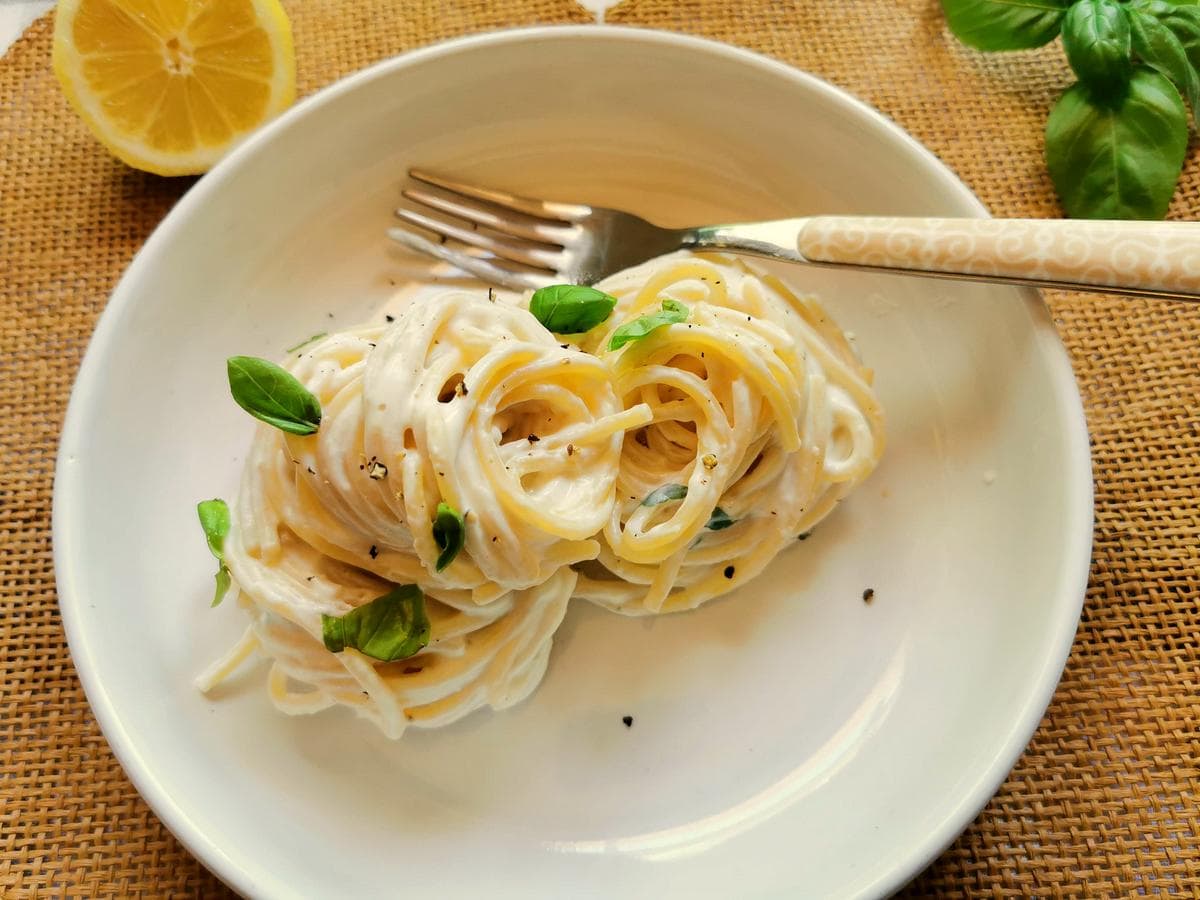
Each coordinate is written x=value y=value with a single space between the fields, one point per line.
x=804 y=536
x=494 y=538
x=533 y=438
x=373 y=552
x=413 y=670
x=389 y=318
x=311 y=471
x=868 y=595
x=371 y=344
x=570 y=449
x=492 y=294
x=329 y=314
x=565 y=346
x=628 y=720
x=310 y=577
x=729 y=570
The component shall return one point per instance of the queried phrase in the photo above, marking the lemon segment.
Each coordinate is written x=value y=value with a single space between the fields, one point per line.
x=170 y=85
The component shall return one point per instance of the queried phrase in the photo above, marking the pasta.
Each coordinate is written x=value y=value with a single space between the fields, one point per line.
x=648 y=479
x=442 y=405
x=760 y=408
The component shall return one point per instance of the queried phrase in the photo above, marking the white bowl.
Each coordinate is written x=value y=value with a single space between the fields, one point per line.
x=787 y=739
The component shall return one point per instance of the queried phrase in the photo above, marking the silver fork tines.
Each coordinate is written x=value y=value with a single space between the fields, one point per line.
x=524 y=241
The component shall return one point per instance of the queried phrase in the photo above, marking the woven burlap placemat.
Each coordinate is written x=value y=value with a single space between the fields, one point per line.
x=1104 y=801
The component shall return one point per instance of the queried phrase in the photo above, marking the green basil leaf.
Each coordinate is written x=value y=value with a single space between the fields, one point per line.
x=391 y=627
x=1005 y=24
x=273 y=395
x=719 y=520
x=1184 y=22
x=224 y=580
x=1162 y=51
x=1162 y=8
x=1096 y=37
x=305 y=343
x=1118 y=161
x=570 y=308
x=449 y=533
x=665 y=493
x=214 y=519
x=672 y=313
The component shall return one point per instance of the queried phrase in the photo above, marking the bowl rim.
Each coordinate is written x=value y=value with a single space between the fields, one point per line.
x=238 y=872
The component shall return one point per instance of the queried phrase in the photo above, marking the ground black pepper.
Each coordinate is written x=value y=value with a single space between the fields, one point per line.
x=628 y=720
x=729 y=570
x=868 y=595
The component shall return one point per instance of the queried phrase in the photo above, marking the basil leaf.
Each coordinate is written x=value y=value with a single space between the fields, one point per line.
x=1005 y=24
x=1162 y=51
x=672 y=312
x=1184 y=23
x=391 y=627
x=449 y=533
x=571 y=308
x=305 y=343
x=224 y=580
x=1118 y=161
x=272 y=395
x=668 y=492
x=719 y=520
x=1096 y=37
x=214 y=519
x=665 y=493
x=1162 y=8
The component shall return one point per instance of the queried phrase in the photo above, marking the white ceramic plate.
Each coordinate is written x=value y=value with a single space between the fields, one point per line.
x=787 y=739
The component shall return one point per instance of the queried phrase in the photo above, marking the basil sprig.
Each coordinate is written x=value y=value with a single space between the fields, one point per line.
x=449 y=533
x=668 y=492
x=1116 y=140
x=391 y=627
x=671 y=313
x=570 y=308
x=214 y=519
x=273 y=395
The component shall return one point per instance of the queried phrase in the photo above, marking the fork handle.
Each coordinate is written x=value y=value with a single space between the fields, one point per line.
x=1154 y=259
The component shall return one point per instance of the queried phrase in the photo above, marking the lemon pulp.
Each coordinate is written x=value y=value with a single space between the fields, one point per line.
x=170 y=85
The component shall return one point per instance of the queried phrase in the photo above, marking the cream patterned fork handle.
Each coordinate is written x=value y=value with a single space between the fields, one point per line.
x=1157 y=259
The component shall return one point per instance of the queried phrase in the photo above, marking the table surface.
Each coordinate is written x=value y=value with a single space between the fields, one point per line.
x=1104 y=800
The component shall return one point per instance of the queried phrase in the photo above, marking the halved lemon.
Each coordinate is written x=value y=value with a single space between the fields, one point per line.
x=170 y=85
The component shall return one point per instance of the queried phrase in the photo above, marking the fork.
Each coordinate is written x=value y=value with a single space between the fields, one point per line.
x=525 y=243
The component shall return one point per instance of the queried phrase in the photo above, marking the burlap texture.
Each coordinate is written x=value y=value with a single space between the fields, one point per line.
x=1104 y=801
